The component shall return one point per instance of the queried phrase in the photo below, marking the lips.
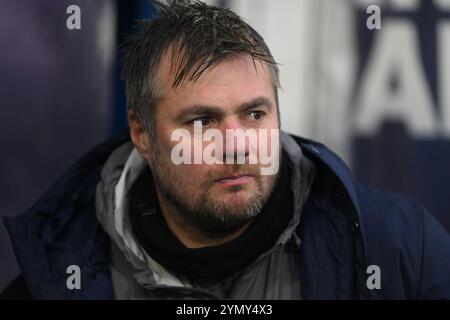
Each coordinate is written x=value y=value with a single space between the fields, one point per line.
x=234 y=179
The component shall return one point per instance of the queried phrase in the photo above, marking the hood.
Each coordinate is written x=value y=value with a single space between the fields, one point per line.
x=112 y=198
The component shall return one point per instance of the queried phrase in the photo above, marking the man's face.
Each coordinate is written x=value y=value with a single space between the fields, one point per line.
x=217 y=198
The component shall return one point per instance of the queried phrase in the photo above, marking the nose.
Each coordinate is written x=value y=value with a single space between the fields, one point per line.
x=236 y=148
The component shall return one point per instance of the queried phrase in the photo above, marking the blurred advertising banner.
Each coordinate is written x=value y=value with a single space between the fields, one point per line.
x=384 y=95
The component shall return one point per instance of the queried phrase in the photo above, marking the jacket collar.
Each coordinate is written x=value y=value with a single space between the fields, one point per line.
x=320 y=154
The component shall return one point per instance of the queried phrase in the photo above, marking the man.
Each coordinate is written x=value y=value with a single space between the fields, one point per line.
x=136 y=218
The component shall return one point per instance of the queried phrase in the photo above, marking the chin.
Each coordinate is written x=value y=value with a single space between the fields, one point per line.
x=239 y=199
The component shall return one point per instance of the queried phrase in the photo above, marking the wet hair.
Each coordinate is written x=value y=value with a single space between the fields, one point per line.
x=199 y=37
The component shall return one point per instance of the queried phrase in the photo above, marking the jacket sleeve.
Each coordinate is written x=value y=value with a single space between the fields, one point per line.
x=435 y=272
x=407 y=243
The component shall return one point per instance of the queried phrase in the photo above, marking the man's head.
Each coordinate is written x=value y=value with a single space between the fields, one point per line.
x=195 y=62
x=201 y=37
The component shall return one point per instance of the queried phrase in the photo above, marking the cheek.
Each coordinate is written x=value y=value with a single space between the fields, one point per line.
x=194 y=178
x=268 y=136
x=274 y=121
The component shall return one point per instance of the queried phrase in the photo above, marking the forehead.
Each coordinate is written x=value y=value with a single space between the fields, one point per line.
x=235 y=80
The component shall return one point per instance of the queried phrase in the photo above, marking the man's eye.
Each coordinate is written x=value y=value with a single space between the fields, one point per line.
x=256 y=115
x=205 y=121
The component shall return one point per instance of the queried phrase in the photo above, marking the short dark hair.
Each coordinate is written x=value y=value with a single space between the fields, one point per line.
x=200 y=34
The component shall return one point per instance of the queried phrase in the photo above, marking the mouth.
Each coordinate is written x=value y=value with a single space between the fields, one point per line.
x=234 y=179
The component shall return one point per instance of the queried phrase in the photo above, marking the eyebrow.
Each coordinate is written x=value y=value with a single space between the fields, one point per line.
x=257 y=102
x=214 y=111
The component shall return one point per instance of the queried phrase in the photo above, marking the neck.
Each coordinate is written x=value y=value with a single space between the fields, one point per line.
x=190 y=235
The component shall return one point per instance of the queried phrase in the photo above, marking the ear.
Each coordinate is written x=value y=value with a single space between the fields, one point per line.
x=139 y=135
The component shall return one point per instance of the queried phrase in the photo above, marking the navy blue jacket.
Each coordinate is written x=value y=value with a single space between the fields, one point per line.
x=344 y=228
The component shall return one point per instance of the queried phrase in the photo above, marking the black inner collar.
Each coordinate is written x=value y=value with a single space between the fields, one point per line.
x=216 y=262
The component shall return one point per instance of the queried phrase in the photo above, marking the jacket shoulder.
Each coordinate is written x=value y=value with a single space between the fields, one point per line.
x=411 y=248
x=46 y=238
x=389 y=208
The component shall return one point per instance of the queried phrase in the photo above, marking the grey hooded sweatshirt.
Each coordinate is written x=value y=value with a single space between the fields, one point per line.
x=135 y=275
